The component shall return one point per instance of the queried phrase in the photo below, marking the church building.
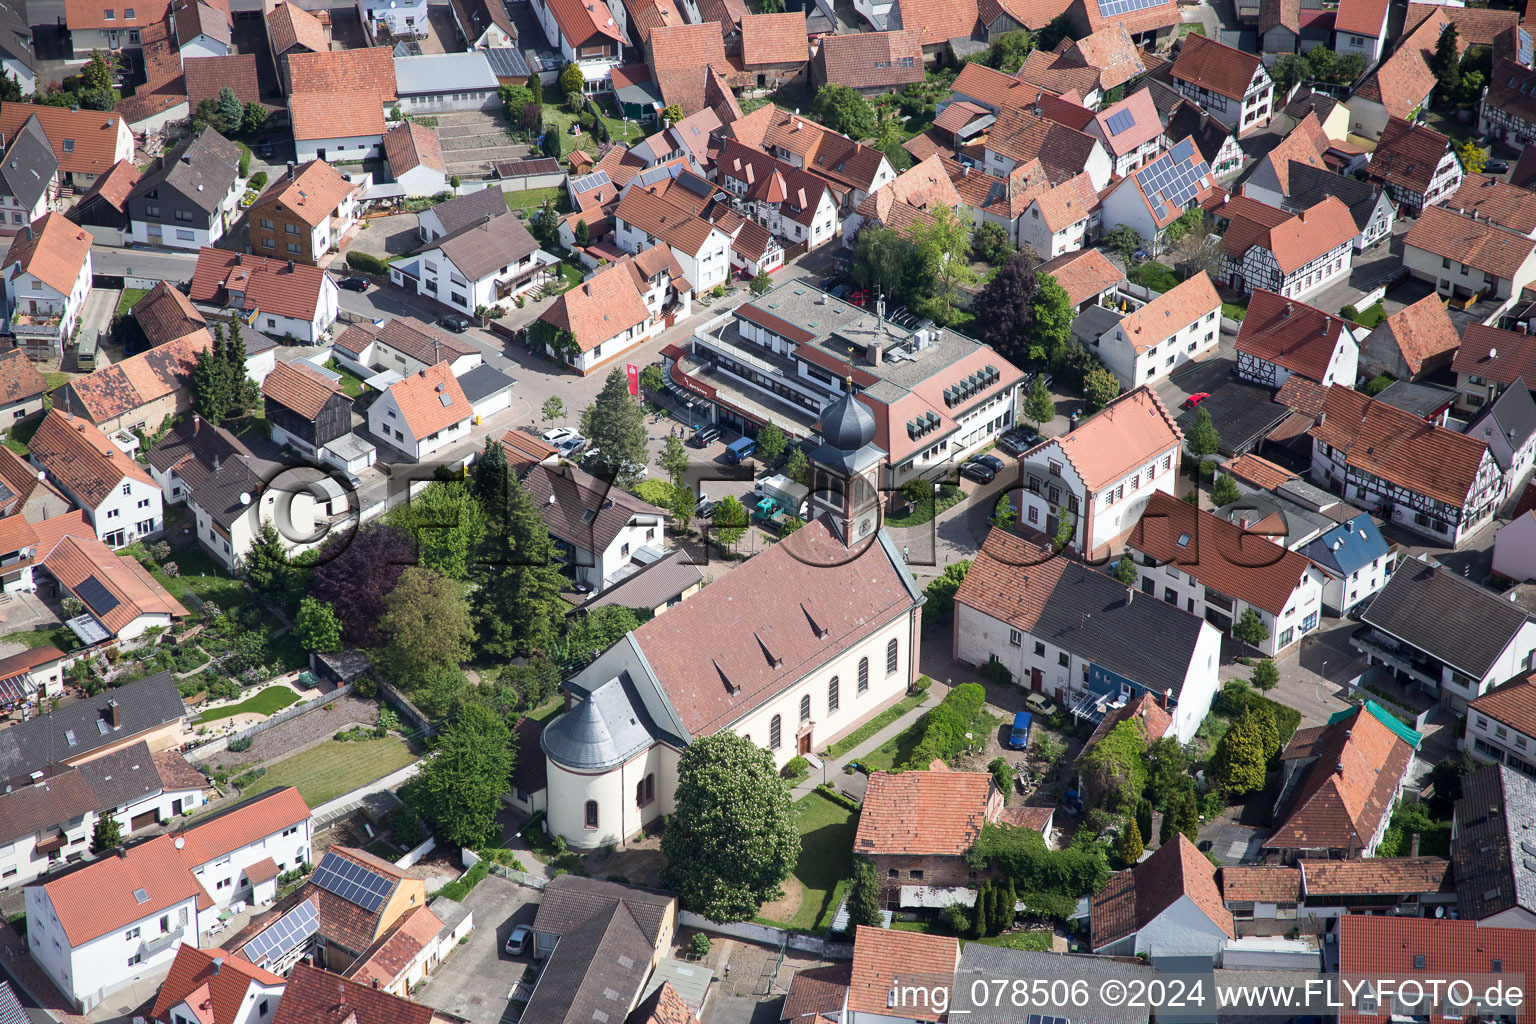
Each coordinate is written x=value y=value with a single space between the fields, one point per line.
x=795 y=648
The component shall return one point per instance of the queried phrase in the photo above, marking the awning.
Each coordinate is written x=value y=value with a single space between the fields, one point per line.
x=48 y=846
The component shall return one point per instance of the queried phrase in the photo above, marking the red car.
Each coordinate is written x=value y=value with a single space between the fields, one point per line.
x=1196 y=398
x=859 y=297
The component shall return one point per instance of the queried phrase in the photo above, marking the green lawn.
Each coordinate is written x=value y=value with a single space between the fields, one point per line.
x=546 y=712
x=59 y=636
x=335 y=767
x=21 y=435
x=827 y=829
x=532 y=199
x=1232 y=311
x=268 y=702
x=950 y=495
x=1037 y=942
x=895 y=751
x=55 y=379
x=1371 y=316
x=129 y=297
x=874 y=725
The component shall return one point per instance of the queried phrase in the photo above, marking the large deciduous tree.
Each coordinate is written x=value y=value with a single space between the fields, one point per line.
x=458 y=791
x=356 y=571
x=944 y=244
x=1005 y=309
x=843 y=110
x=447 y=523
x=732 y=841
x=426 y=624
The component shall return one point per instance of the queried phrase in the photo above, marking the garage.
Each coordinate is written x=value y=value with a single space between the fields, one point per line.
x=144 y=820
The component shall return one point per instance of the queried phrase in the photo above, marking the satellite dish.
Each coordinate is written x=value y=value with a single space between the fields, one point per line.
x=41 y=475
x=245 y=497
x=181 y=842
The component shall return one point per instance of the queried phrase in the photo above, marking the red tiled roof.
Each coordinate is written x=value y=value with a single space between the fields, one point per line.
x=81 y=458
x=114 y=186
x=939 y=21
x=266 y=285
x=54 y=253
x=1294 y=239
x=1408 y=155
x=1504 y=204
x=1362 y=17
x=1424 y=334
x=300 y=387
x=1512 y=703
x=99 y=897
x=85 y=141
x=1375 y=876
x=602 y=307
x=584 y=22
x=205 y=76
x=1499 y=356
x=314 y=996
x=993 y=88
x=1133 y=899
x=310 y=192
x=925 y=813
x=1215 y=66
x=879 y=956
x=213 y=991
x=1082 y=273
x=871 y=60
x=290 y=25
x=1130 y=432
x=1259 y=472
x=1398 y=447
x=138 y=380
x=1171 y=312
x=369 y=71
x=680 y=55
x=1474 y=243
x=1267 y=883
x=1289 y=333
x=774 y=39
x=134 y=592
x=88 y=14
x=19 y=379
x=395 y=952
x=266 y=815
x=1218 y=553
x=1111 y=51
x=326 y=115
x=166 y=314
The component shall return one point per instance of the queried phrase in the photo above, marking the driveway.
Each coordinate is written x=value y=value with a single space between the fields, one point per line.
x=477 y=977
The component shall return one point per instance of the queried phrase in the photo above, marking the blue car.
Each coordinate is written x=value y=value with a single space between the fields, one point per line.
x=992 y=462
x=1018 y=736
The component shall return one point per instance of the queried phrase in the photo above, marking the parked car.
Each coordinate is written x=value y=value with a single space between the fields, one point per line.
x=454 y=322
x=353 y=283
x=569 y=446
x=517 y=942
x=1040 y=704
x=1496 y=167
x=1196 y=398
x=992 y=462
x=740 y=449
x=557 y=434
x=978 y=471
x=1017 y=441
x=705 y=436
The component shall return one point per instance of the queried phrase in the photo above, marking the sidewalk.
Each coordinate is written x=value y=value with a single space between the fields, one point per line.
x=834 y=768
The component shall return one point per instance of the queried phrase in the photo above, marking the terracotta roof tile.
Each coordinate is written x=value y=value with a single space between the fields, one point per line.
x=85 y=141
x=1032 y=14
x=420 y=399
x=310 y=193
x=1083 y=273
x=314 y=996
x=1259 y=472
x=1408 y=155
x=1146 y=19
x=54 y=254
x=267 y=285
x=1290 y=333
x=395 y=951
x=1376 y=876
x=1268 y=883
x=871 y=60
x=87 y=14
x=1170 y=312
x=1357 y=763
x=774 y=39
x=583 y=22
x=113 y=187
x=131 y=589
x=19 y=379
x=1398 y=447
x=1424 y=334
x=1145 y=127
x=1402 y=81
x=138 y=380
x=299 y=387
x=176 y=773
x=678 y=227
x=205 y=76
x=1021 y=136
x=604 y=306
x=165 y=314
x=1499 y=356
x=1070 y=202
x=1133 y=899
x=291 y=26
x=1112 y=52
x=998 y=586
x=1218 y=553
x=938 y=21
x=1131 y=431
x=1215 y=66
x=881 y=956
x=1294 y=239
x=1513 y=703
x=410 y=145
x=1305 y=144
x=366 y=71
x=219 y=990
x=327 y=115
x=925 y=813
x=662 y=1006
x=1058 y=72
x=679 y=57
x=1495 y=201
x=816 y=990
x=81 y=459
x=992 y=88
x=1362 y=17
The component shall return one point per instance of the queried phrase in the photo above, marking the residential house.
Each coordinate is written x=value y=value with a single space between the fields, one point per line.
x=1091 y=66
x=1167 y=905
x=87 y=143
x=277 y=298
x=484 y=24
x=1488 y=362
x=1151 y=340
x=1445 y=635
x=868 y=62
x=306 y=408
x=484 y=264
x=18 y=547
x=1293 y=27
x=147 y=711
x=1087 y=276
x=415 y=157
x=50 y=822
x=1272 y=899
x=664 y=583
x=689 y=67
x=1495 y=200
x=1149 y=26
x=121 y=600
x=1356 y=562
x=585 y=35
x=1330 y=113
x=1401 y=84
x=104 y=206
x=403 y=346
x=617 y=308
x=214 y=986
x=882 y=960
x=95 y=26
x=140 y=392
x=239 y=496
x=774 y=48
x=1019 y=136
x=458 y=213
x=1059 y=628
x=788 y=201
x=1500 y=727
x=1214 y=142
x=1197 y=560
x=935 y=23
x=314 y=996
x=913 y=197
x=389 y=21
x=422 y=413
x=1360 y=26
x=22 y=388
x=121 y=500
x=1280 y=337
x=1392 y=947
x=28 y=176
x=851 y=169
x=18 y=58
x=206 y=77
x=1130 y=130
x=1340 y=784
x=304 y=214
x=188 y=454
x=572 y=902
x=1434 y=481
x=1103 y=473
x=292 y=30
x=1231 y=84
x=602 y=549
x=22 y=493
x=702 y=250
x=1415 y=342
x=917 y=826
x=337 y=102
x=953 y=396
x=1508 y=428
x=187 y=198
x=1469 y=260
x=1294 y=254
x=201 y=29
x=47 y=275
x=1416 y=165
x=1150 y=199
x=1269 y=180
x=164 y=315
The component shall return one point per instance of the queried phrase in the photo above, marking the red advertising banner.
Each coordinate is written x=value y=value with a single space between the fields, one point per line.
x=634 y=378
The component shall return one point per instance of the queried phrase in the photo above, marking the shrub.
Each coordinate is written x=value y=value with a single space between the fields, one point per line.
x=996 y=672
x=242 y=781
x=239 y=745
x=945 y=727
x=258 y=180
x=795 y=769
x=699 y=944
x=366 y=262
x=1349 y=313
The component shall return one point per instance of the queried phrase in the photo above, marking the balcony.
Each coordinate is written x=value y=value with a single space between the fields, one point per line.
x=151 y=948
x=1399 y=657
x=37 y=324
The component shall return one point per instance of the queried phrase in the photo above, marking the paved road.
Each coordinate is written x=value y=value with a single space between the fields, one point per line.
x=112 y=262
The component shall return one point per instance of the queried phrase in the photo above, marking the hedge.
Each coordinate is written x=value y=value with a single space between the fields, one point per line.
x=944 y=727
x=366 y=262
x=258 y=181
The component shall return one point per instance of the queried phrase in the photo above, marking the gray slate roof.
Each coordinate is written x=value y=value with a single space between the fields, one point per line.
x=11 y=1010
x=595 y=972
x=577 y=493
x=203 y=169
x=147 y=704
x=988 y=963
x=654 y=585
x=465 y=210
x=601 y=732
x=1311 y=185
x=1436 y=611
x=483 y=381
x=1513 y=415
x=1416 y=397
x=571 y=900
x=1494 y=867
x=29 y=164
x=15 y=33
x=487 y=244
x=123 y=776
x=221 y=492
x=1301 y=523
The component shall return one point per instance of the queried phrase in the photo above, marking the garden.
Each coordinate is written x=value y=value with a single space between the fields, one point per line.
x=827 y=823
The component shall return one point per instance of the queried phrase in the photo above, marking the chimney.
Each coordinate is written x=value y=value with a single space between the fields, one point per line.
x=215 y=462
x=28 y=230
x=218 y=962
x=1413 y=845
x=197 y=422
x=290 y=266
x=875 y=354
x=122 y=853
x=114 y=714
x=1286 y=315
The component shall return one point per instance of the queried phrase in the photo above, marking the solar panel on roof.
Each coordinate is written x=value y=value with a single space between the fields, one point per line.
x=282 y=935
x=96 y=596
x=587 y=182
x=352 y=882
x=1119 y=121
x=1115 y=8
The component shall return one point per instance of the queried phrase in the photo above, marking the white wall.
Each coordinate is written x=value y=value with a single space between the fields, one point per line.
x=1514 y=549
x=1181 y=930
x=350 y=148
x=288 y=848
x=1190 y=594
x=385 y=421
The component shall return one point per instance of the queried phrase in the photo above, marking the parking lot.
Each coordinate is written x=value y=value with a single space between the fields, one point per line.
x=475 y=981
